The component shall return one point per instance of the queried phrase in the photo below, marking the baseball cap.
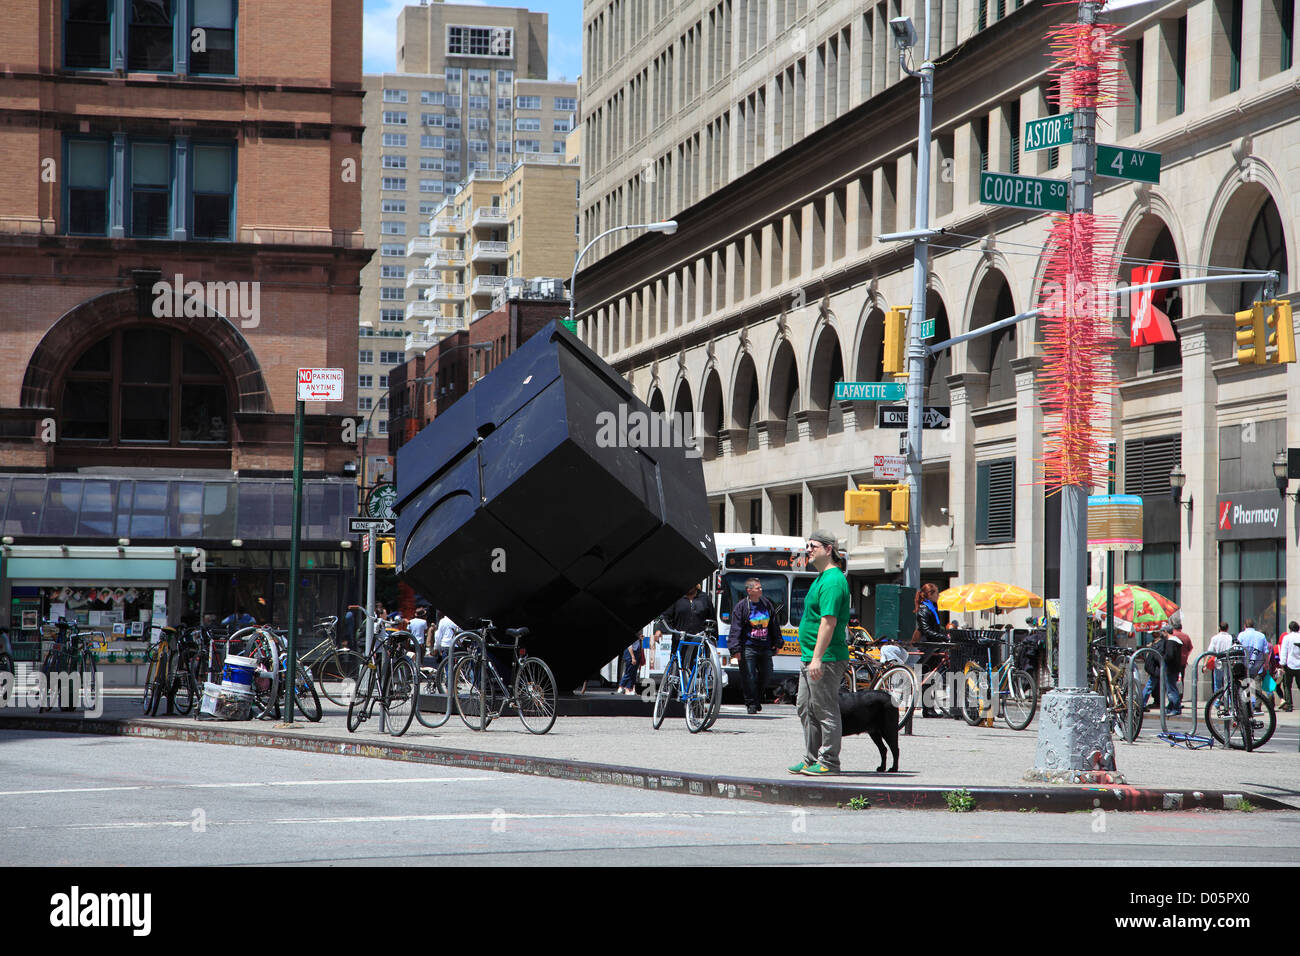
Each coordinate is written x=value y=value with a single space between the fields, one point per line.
x=825 y=538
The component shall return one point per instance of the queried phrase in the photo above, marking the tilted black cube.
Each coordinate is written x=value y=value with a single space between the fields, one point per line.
x=525 y=503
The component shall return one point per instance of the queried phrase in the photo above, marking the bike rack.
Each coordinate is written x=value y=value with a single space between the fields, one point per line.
x=1164 y=685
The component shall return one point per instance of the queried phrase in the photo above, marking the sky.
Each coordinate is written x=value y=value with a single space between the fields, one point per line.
x=564 y=56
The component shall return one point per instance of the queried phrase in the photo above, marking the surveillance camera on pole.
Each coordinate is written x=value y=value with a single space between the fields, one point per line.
x=904 y=33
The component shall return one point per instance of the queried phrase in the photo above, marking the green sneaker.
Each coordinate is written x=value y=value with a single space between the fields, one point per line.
x=816 y=770
x=797 y=768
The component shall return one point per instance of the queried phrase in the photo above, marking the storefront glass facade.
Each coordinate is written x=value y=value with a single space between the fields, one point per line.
x=1252 y=576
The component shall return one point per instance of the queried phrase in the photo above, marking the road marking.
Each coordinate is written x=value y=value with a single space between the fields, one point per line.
x=416 y=818
x=259 y=783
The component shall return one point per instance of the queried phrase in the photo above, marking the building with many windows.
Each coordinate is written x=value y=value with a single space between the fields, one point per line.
x=470 y=99
x=179 y=232
x=782 y=137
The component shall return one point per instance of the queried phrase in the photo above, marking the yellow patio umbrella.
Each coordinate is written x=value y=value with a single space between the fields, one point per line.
x=986 y=596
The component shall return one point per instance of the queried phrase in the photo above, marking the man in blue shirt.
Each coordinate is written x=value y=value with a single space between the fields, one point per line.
x=241 y=618
x=1257 y=649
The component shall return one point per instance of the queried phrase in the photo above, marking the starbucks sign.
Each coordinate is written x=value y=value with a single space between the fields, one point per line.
x=381 y=501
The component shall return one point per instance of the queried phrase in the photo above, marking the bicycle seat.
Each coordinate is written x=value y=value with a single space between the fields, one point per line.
x=987 y=641
x=516 y=632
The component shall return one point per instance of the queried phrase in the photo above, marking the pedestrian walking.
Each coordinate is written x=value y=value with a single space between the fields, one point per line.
x=1167 y=657
x=1219 y=645
x=633 y=657
x=926 y=608
x=754 y=637
x=419 y=628
x=689 y=614
x=1257 y=649
x=1184 y=654
x=824 y=650
x=1289 y=657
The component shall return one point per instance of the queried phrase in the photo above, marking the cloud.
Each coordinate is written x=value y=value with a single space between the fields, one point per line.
x=379 y=36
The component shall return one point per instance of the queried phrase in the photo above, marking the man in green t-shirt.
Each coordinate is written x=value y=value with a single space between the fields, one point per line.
x=825 y=653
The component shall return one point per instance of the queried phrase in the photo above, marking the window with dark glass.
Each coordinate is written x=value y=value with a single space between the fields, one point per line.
x=214 y=191
x=151 y=190
x=88 y=185
x=86 y=28
x=146 y=385
x=995 y=496
x=216 y=20
x=149 y=38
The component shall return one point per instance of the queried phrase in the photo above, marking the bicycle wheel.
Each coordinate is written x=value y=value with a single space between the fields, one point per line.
x=401 y=695
x=263 y=649
x=974 y=681
x=305 y=696
x=706 y=690
x=1021 y=702
x=535 y=695
x=433 y=684
x=468 y=683
x=666 y=683
x=900 y=683
x=363 y=693
x=1268 y=716
x=150 y=676
x=336 y=675
x=182 y=690
x=1226 y=726
x=88 y=681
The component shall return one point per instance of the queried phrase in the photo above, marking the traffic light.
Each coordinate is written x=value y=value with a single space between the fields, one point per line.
x=386 y=557
x=1252 y=333
x=865 y=507
x=1282 y=338
x=895 y=355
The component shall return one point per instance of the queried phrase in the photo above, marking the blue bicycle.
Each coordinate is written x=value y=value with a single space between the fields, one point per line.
x=699 y=684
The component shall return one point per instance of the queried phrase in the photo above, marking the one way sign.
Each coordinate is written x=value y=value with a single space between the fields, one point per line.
x=895 y=416
x=364 y=525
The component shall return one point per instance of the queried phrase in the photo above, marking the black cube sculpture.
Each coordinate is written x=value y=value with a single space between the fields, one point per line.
x=539 y=500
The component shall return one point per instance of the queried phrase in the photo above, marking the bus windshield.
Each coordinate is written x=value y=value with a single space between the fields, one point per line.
x=774 y=589
x=801 y=585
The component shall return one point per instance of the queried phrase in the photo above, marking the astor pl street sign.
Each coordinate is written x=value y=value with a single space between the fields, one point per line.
x=363 y=525
x=895 y=416
x=1121 y=163
x=870 y=391
x=1024 y=192
x=1050 y=132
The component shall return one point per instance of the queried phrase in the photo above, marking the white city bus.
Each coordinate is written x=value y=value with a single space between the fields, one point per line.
x=779 y=562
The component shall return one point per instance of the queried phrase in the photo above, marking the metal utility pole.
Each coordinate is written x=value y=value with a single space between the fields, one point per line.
x=917 y=353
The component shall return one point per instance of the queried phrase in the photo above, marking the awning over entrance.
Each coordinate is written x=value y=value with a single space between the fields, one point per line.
x=79 y=507
x=133 y=564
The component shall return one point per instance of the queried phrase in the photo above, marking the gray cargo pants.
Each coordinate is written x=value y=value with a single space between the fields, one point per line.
x=818 y=706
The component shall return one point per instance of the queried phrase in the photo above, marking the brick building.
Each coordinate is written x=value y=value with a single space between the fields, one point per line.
x=180 y=209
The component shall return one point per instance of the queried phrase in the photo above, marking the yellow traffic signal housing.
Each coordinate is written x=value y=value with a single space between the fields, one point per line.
x=900 y=503
x=895 y=354
x=387 y=555
x=1252 y=334
x=862 y=507
x=865 y=507
x=1282 y=338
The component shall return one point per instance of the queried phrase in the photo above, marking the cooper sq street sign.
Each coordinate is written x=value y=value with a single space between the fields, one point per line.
x=1024 y=192
x=1120 y=163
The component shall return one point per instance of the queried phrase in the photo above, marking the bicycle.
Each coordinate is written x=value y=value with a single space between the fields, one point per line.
x=1015 y=691
x=1236 y=714
x=69 y=655
x=334 y=667
x=481 y=693
x=867 y=672
x=438 y=679
x=387 y=678
x=699 y=687
x=1110 y=667
x=158 y=676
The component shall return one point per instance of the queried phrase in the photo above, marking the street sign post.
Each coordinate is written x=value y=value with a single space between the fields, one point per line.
x=1050 y=132
x=1024 y=192
x=870 y=391
x=1121 y=163
x=895 y=416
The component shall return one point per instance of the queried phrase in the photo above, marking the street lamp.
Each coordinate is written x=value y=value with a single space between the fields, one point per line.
x=1282 y=475
x=667 y=227
x=1176 y=481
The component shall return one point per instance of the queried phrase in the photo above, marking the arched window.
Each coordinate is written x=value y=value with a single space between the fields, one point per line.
x=145 y=386
x=1265 y=249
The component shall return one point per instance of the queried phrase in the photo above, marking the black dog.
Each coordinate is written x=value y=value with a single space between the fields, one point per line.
x=872 y=712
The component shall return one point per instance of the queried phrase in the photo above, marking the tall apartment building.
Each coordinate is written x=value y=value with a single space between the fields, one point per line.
x=470 y=96
x=179 y=232
x=782 y=138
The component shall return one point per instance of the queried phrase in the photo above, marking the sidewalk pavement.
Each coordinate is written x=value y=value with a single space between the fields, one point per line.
x=745 y=756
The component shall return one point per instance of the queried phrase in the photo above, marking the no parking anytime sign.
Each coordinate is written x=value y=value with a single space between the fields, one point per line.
x=320 y=384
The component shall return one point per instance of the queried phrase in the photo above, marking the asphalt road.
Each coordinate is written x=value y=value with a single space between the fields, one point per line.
x=74 y=801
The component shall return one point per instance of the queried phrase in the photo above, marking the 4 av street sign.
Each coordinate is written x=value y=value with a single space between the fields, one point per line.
x=1120 y=163
x=1024 y=192
x=927 y=329
x=870 y=391
x=1050 y=132
x=895 y=416
x=364 y=525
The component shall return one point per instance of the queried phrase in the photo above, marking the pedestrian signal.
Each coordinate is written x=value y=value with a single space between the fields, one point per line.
x=865 y=508
x=895 y=354
x=386 y=556
x=1282 y=337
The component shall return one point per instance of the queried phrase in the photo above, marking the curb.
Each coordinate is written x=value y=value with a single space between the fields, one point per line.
x=1058 y=799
